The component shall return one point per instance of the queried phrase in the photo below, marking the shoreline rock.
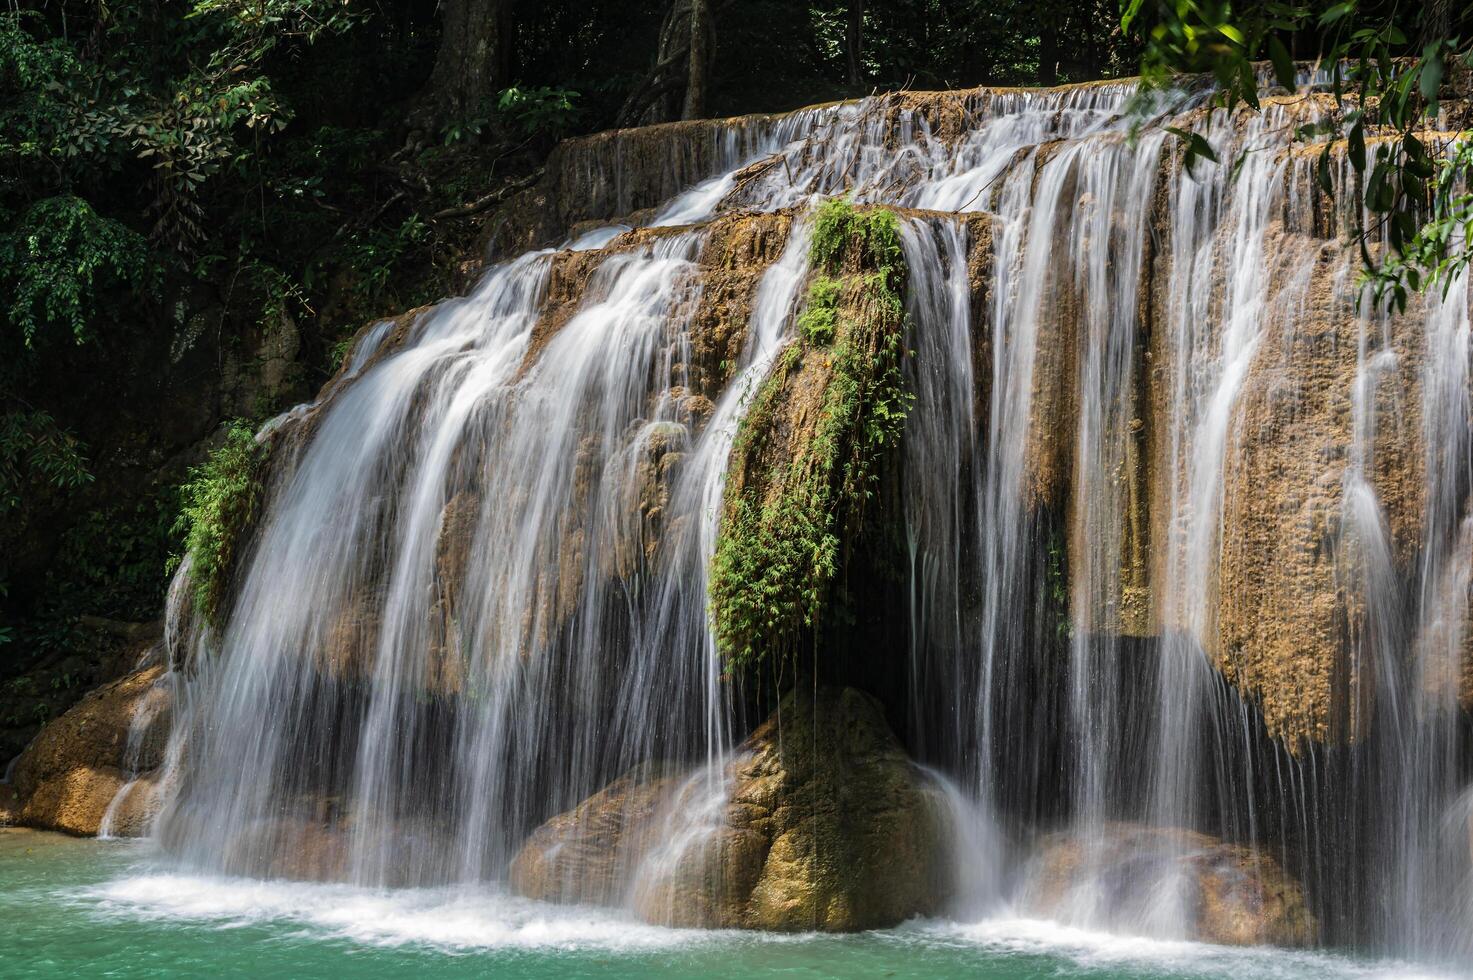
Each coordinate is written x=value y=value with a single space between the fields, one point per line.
x=69 y=776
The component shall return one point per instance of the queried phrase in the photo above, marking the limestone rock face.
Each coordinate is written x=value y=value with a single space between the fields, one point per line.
x=820 y=823
x=1294 y=578
x=69 y=776
x=1227 y=893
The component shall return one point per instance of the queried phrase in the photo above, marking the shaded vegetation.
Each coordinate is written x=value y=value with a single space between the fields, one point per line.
x=221 y=502
x=1389 y=67
x=797 y=493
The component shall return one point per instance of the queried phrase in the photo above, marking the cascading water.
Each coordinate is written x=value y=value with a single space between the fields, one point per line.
x=479 y=591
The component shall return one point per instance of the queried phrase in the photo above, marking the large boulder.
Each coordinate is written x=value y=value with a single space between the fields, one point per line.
x=820 y=822
x=68 y=778
x=1167 y=880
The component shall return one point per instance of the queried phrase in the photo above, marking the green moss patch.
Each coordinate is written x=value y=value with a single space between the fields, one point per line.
x=808 y=453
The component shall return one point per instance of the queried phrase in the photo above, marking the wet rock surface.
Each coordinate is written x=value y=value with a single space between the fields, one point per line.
x=1137 y=879
x=819 y=823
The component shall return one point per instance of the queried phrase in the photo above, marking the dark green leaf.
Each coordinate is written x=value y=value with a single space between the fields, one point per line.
x=1431 y=79
x=1357 y=146
x=1283 y=64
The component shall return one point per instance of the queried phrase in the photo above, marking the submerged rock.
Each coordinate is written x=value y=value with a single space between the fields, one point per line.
x=70 y=774
x=1155 y=880
x=820 y=822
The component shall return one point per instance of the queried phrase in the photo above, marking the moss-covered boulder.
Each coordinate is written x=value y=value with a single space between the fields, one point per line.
x=1131 y=877
x=820 y=822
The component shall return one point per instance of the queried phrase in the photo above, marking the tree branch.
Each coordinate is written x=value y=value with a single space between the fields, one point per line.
x=490 y=200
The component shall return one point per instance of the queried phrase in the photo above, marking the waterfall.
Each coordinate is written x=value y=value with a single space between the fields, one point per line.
x=1186 y=523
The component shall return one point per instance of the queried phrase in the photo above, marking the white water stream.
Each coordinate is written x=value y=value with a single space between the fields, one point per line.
x=459 y=618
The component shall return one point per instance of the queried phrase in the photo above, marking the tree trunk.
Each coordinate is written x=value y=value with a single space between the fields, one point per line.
x=854 y=40
x=471 y=64
x=1048 y=46
x=695 y=86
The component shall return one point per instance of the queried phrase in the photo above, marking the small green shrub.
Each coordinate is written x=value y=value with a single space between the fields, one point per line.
x=875 y=232
x=221 y=502
x=539 y=110
x=34 y=451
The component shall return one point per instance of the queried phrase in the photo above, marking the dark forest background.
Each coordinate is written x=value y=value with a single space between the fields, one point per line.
x=202 y=200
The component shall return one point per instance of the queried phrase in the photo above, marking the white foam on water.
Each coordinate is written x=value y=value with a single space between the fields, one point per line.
x=1097 y=950
x=484 y=918
x=452 y=919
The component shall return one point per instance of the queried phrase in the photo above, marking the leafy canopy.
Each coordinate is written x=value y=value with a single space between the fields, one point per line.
x=1387 y=67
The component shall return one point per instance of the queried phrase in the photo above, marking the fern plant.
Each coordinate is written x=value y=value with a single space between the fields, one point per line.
x=221 y=503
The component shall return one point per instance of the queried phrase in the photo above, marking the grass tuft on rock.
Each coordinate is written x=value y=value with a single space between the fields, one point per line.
x=809 y=450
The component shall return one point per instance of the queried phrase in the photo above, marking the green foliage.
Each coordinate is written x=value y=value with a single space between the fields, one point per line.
x=876 y=232
x=1436 y=250
x=1386 y=71
x=930 y=44
x=50 y=116
x=784 y=531
x=281 y=297
x=112 y=559
x=56 y=259
x=221 y=502
x=539 y=110
x=378 y=255
x=839 y=228
x=34 y=449
x=816 y=324
x=339 y=351
x=525 y=112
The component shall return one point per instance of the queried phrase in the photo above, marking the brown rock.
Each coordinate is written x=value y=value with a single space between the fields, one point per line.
x=820 y=822
x=589 y=854
x=1234 y=895
x=135 y=806
x=75 y=801
x=300 y=850
x=1293 y=584
x=68 y=776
